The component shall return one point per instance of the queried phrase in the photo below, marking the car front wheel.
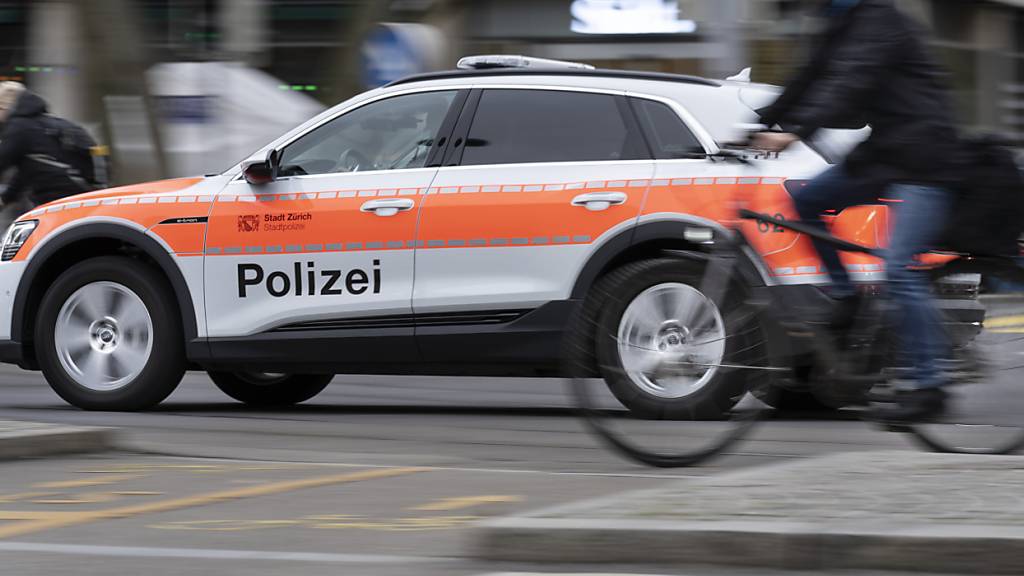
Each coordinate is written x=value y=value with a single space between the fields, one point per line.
x=264 y=389
x=108 y=335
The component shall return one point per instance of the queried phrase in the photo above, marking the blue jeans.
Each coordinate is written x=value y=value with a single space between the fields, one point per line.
x=920 y=218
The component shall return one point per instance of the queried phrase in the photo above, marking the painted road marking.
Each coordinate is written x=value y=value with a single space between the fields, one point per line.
x=355 y=521
x=198 y=468
x=225 y=525
x=25 y=496
x=1004 y=321
x=212 y=554
x=85 y=482
x=465 y=502
x=83 y=498
x=394 y=525
x=513 y=471
x=84 y=517
x=325 y=522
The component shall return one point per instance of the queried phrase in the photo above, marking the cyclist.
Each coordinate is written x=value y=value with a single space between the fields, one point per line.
x=51 y=154
x=870 y=66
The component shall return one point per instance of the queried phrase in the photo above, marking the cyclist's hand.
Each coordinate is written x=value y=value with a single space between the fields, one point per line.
x=773 y=141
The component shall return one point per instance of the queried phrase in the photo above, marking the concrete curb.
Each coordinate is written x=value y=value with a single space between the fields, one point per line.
x=946 y=549
x=606 y=531
x=32 y=440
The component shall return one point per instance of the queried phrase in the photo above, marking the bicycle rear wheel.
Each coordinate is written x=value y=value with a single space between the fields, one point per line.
x=983 y=305
x=693 y=349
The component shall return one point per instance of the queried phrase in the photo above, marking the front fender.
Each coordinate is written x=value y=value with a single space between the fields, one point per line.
x=29 y=293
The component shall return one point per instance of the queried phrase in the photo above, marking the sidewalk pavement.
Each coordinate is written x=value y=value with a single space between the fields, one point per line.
x=875 y=511
x=32 y=439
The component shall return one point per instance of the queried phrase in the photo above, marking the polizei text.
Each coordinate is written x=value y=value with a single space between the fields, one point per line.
x=305 y=279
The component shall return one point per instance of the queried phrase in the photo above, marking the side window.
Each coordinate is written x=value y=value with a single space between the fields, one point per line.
x=386 y=135
x=669 y=135
x=521 y=126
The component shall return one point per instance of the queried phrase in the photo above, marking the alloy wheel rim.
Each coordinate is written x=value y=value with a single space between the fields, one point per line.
x=103 y=336
x=671 y=340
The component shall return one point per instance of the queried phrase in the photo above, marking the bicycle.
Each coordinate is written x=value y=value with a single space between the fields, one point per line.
x=982 y=303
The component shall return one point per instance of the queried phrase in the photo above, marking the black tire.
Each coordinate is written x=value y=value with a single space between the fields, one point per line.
x=615 y=292
x=270 y=390
x=985 y=413
x=165 y=363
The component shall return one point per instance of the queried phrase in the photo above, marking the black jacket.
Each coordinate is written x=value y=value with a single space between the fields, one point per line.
x=870 y=66
x=25 y=138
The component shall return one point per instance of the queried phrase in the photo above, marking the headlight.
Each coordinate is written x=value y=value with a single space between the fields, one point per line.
x=16 y=236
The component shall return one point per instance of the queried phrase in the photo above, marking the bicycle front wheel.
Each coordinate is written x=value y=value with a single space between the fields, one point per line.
x=983 y=308
x=679 y=356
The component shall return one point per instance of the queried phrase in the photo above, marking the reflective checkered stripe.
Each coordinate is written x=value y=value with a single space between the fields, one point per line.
x=144 y=205
x=471 y=244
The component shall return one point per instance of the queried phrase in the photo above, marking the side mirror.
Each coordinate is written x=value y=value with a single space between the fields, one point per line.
x=259 y=172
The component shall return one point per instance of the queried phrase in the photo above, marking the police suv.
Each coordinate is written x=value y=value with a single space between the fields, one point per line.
x=449 y=223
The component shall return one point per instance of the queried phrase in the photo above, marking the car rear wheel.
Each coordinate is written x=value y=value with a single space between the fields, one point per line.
x=665 y=349
x=265 y=389
x=108 y=336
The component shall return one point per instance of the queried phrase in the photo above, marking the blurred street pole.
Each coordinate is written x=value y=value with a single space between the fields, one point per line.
x=449 y=17
x=117 y=92
x=245 y=26
x=55 y=43
x=726 y=29
x=347 y=59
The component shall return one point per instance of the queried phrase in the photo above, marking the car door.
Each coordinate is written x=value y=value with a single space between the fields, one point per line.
x=536 y=179
x=328 y=246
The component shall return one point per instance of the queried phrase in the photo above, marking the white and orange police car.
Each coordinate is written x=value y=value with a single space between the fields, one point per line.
x=448 y=223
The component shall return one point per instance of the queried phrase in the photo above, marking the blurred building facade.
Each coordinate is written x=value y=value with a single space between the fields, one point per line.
x=313 y=46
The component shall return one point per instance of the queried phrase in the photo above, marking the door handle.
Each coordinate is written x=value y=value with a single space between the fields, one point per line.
x=597 y=201
x=387 y=207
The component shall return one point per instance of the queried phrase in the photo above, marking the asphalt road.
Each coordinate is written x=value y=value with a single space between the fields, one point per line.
x=378 y=475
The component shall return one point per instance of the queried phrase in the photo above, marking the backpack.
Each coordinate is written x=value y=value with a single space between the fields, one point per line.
x=77 y=154
x=988 y=215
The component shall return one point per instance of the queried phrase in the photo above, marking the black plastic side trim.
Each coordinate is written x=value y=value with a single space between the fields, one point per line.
x=530 y=345
x=457 y=147
x=314 y=351
x=188 y=220
x=673 y=230
x=600 y=260
x=151 y=247
x=452 y=319
x=10 y=352
x=444 y=135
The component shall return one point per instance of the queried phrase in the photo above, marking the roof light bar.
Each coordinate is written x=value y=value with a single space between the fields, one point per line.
x=510 y=61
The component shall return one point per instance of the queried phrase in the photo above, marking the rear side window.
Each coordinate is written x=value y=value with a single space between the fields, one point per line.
x=522 y=126
x=668 y=134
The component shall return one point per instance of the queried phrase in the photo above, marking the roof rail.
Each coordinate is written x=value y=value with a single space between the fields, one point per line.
x=511 y=61
x=599 y=73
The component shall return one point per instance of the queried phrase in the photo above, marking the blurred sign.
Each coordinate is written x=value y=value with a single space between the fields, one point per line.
x=629 y=17
x=394 y=51
x=186 y=109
